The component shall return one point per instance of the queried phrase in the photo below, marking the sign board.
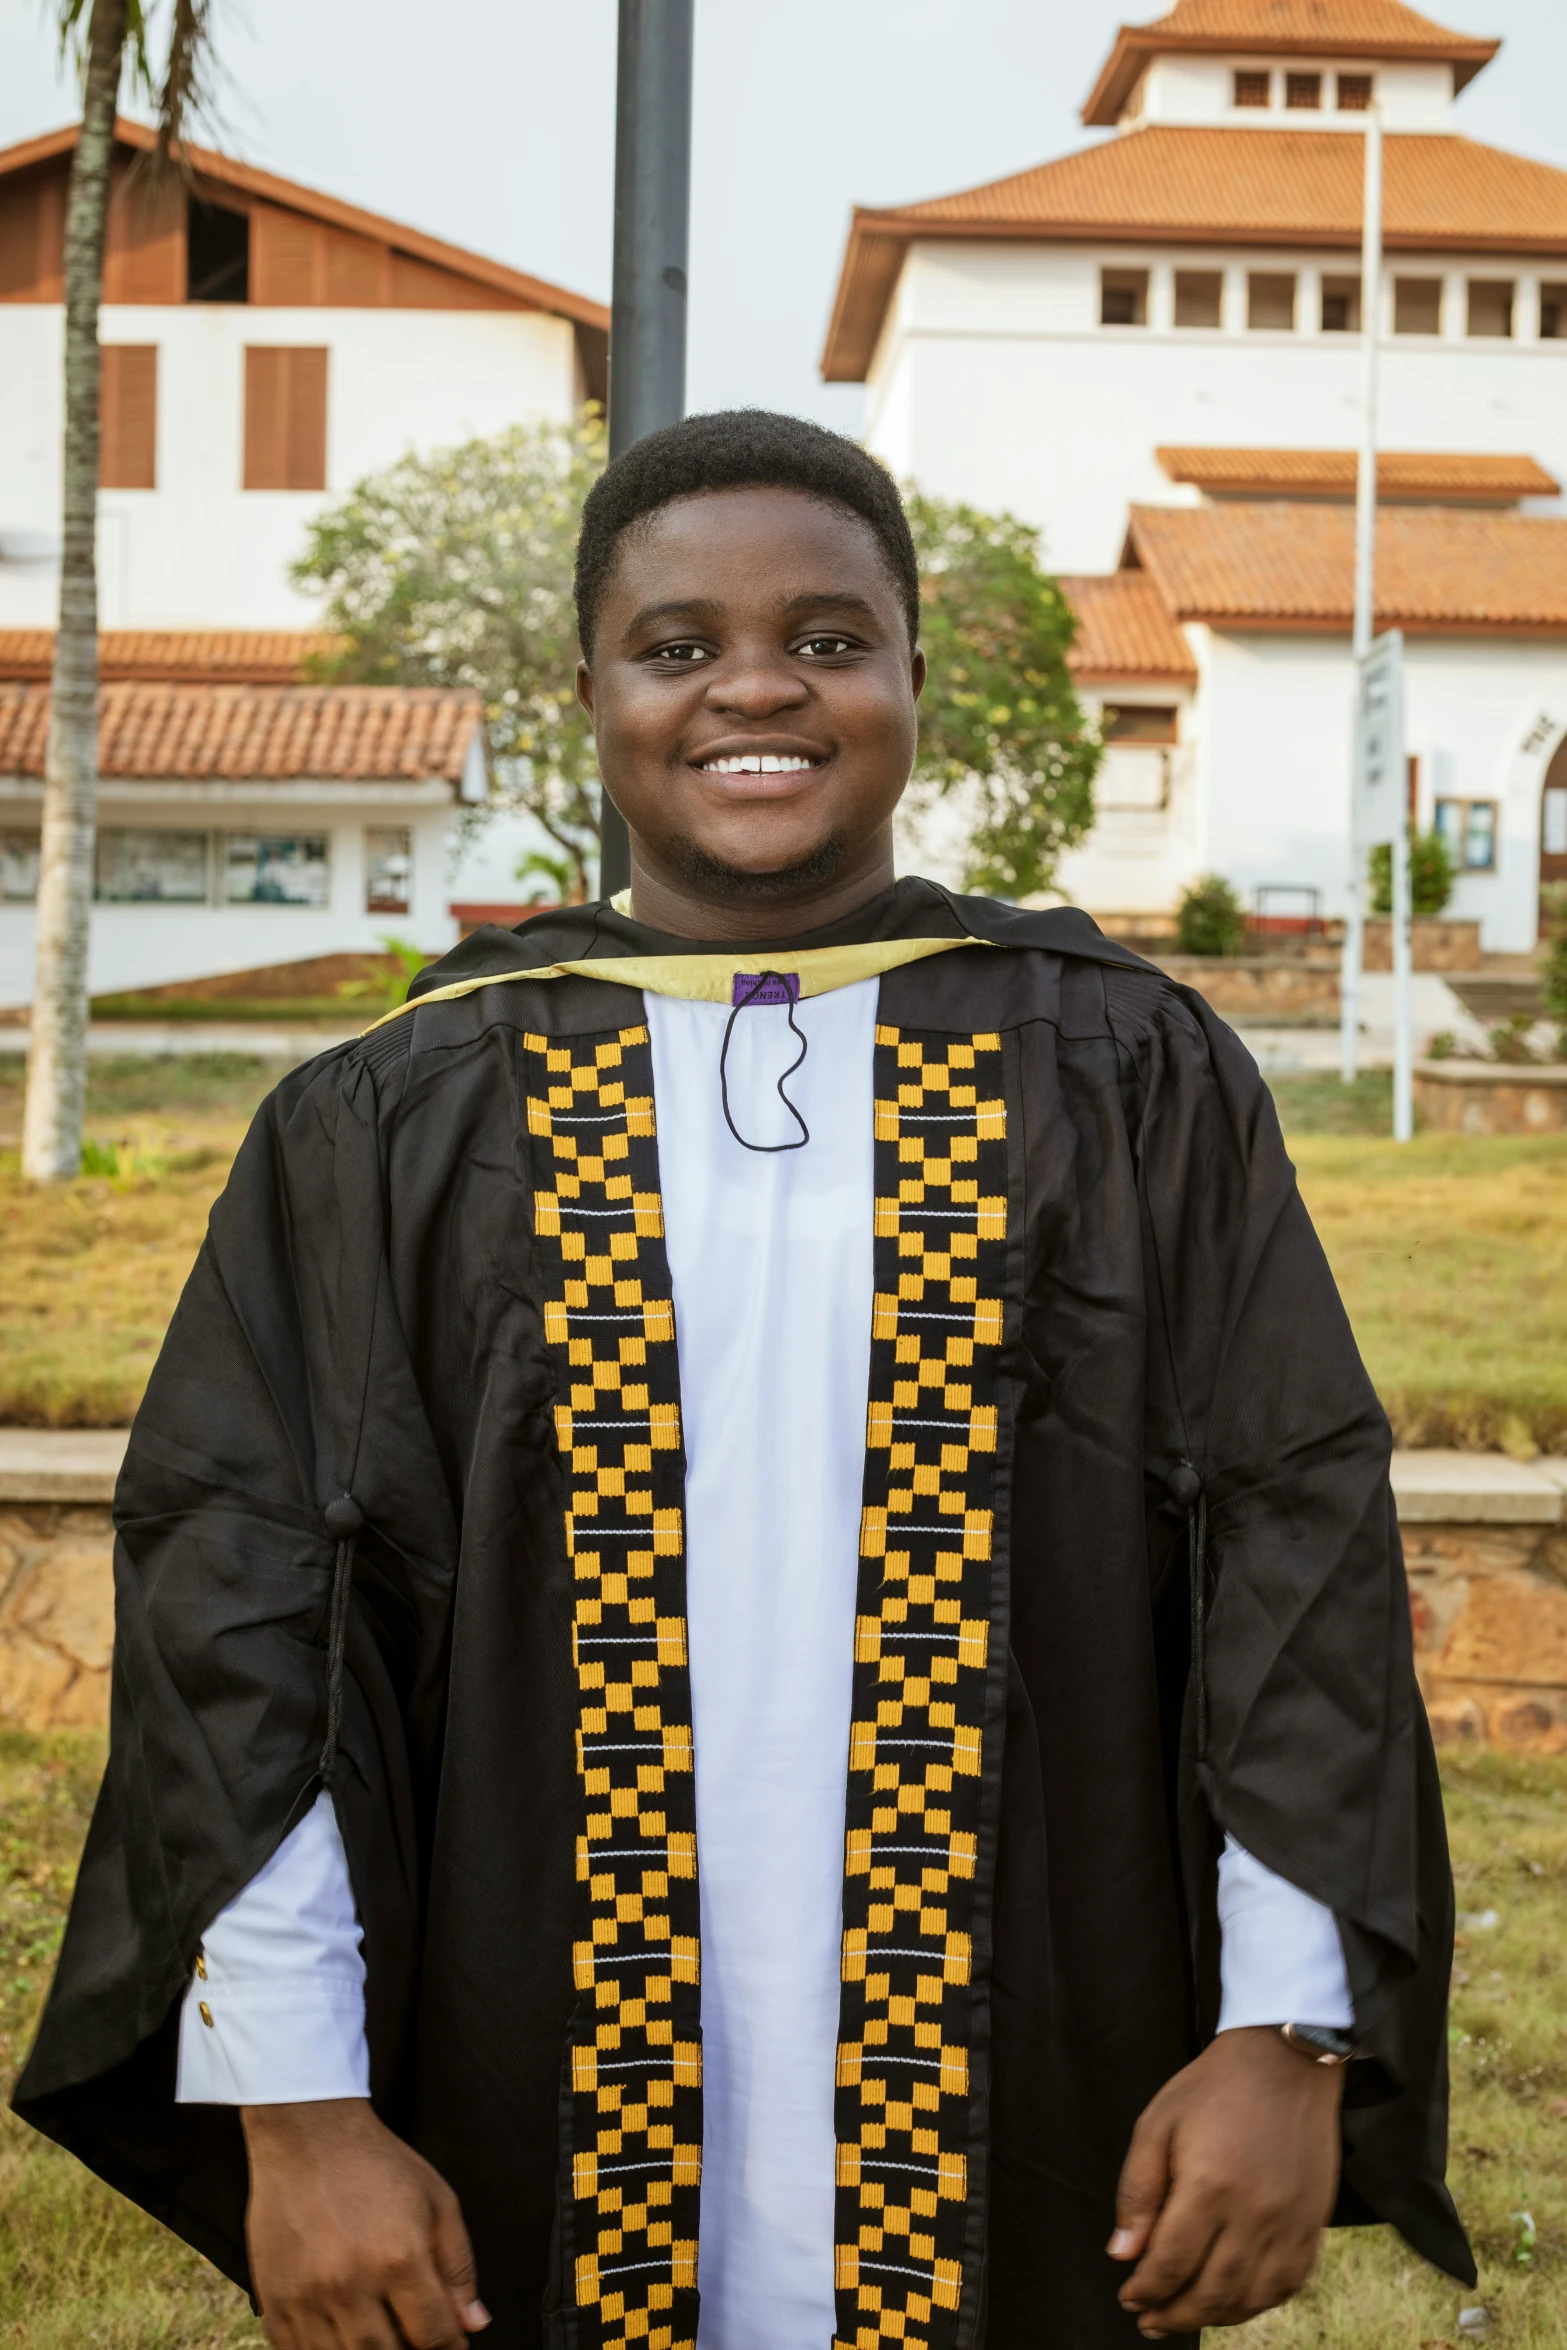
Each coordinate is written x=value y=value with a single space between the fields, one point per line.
x=1381 y=793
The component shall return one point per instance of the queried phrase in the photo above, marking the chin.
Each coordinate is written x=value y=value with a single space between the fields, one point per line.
x=794 y=870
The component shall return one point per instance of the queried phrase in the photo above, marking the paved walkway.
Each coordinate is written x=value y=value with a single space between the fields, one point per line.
x=151 y=1038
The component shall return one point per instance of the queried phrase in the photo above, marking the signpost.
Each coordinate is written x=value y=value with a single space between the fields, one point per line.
x=647 y=335
x=1379 y=812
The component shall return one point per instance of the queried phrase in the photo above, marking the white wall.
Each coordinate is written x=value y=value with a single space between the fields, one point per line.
x=1274 y=758
x=995 y=383
x=137 y=946
x=199 y=551
x=1201 y=89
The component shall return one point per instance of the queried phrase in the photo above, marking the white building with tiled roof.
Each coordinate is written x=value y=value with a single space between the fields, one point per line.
x=1171 y=319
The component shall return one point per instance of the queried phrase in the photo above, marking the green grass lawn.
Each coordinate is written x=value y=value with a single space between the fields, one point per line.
x=80 y=2269
x=1451 y=1252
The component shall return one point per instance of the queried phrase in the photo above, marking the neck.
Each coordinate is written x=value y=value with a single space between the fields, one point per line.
x=685 y=908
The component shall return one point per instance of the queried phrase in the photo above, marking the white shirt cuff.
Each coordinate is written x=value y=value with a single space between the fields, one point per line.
x=275 y=2014
x=1281 y=1960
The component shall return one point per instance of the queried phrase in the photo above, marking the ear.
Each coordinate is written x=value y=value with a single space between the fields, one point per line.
x=585 y=687
x=917 y=672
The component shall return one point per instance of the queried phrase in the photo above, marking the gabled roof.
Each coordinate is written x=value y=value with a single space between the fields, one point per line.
x=170 y=656
x=1331 y=473
x=1282 y=28
x=1278 y=566
x=224 y=172
x=258 y=733
x=1170 y=183
x=1125 y=631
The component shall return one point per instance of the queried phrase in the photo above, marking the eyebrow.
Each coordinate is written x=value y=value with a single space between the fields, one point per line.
x=698 y=608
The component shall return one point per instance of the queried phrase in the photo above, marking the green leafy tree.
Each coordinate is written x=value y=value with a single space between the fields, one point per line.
x=109 y=40
x=454 y=569
x=1210 y=919
x=999 y=718
x=1431 y=874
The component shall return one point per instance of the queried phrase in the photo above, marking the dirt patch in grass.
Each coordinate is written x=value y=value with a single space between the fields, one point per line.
x=90 y=1271
x=81 y=2269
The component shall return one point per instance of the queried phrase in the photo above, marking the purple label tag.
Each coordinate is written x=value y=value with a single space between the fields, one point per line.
x=767 y=987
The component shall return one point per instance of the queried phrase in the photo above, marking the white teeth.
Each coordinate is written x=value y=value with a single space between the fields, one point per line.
x=756 y=763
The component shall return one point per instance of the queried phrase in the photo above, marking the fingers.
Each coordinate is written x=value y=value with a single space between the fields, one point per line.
x=1144 y=2183
x=454 y=2260
x=1183 y=2237
x=1238 y=2280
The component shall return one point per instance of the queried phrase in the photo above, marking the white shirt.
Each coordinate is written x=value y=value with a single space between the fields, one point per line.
x=771 y=1259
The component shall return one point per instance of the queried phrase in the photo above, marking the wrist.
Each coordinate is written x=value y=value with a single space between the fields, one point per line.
x=291 y=2127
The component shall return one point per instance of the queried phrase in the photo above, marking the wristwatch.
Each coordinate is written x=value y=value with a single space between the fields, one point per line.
x=1320 y=2043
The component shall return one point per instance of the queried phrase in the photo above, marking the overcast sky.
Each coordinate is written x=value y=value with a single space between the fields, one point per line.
x=491 y=122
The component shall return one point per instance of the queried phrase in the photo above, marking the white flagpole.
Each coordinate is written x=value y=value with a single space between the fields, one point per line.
x=1365 y=567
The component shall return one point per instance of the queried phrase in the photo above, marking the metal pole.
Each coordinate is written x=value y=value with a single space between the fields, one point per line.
x=1365 y=567
x=1403 y=1037
x=647 y=336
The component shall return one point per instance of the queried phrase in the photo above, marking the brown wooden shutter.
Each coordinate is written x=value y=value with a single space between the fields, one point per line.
x=32 y=235
x=358 y=271
x=287 y=259
x=128 y=416
x=144 y=251
x=285 y=417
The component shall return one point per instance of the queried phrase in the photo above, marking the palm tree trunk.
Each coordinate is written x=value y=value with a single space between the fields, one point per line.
x=57 y=1065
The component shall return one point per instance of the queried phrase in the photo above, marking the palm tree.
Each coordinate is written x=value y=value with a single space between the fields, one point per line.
x=115 y=36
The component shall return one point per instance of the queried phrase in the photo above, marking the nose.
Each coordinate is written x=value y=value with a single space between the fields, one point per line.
x=758 y=684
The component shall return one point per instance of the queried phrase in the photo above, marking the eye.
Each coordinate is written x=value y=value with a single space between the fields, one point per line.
x=828 y=647
x=679 y=656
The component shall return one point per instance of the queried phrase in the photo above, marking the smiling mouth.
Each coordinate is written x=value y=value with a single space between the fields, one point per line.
x=759 y=763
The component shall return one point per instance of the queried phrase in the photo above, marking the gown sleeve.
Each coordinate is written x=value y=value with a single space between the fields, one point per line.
x=283 y=1385
x=1304 y=1737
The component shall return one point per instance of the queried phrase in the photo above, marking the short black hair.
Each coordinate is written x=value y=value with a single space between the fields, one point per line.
x=732 y=449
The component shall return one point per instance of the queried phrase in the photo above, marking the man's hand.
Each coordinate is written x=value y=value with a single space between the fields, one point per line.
x=354 y=2240
x=1228 y=2184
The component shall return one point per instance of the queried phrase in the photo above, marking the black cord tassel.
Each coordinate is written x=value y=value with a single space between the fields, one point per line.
x=343 y=1518
x=741 y=1003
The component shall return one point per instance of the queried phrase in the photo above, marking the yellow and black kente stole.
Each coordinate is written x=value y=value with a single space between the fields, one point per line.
x=922 y=1649
x=634 y=2112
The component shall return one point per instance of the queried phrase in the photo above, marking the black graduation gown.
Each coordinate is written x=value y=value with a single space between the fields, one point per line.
x=1158 y=1378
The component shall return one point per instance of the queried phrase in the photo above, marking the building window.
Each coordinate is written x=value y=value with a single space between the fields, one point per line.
x=1553 y=821
x=1254 y=89
x=128 y=416
x=1355 y=92
x=1199 y=297
x=19 y=859
x=1270 y=300
x=389 y=871
x=1303 y=91
x=285 y=418
x=1417 y=306
x=1469 y=829
x=1491 y=306
x=217 y=254
x=1123 y=297
x=1341 y=305
x=1138 y=722
x=276 y=869
x=1553 y=313
x=148 y=868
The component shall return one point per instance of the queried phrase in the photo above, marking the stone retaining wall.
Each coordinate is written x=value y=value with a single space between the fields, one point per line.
x=1488 y=1601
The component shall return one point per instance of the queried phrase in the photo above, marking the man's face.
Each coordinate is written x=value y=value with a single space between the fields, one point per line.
x=752 y=691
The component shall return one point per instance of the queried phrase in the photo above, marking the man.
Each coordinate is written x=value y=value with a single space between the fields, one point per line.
x=763 y=1691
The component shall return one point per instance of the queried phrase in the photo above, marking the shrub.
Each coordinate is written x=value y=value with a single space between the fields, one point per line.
x=1210 y=919
x=1443 y=1046
x=1431 y=875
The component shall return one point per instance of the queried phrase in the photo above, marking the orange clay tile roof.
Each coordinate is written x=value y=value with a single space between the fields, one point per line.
x=257 y=733
x=1170 y=183
x=1401 y=473
x=1282 y=28
x=174 y=656
x=1124 y=629
x=535 y=293
x=1282 y=566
